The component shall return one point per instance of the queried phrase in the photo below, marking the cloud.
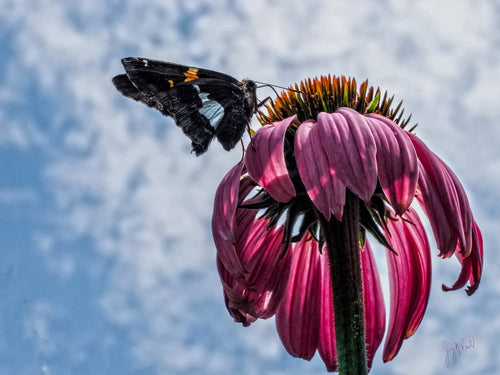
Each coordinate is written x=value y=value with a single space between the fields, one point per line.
x=38 y=327
x=121 y=176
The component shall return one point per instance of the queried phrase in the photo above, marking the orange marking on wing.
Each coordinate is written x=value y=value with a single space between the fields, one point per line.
x=191 y=74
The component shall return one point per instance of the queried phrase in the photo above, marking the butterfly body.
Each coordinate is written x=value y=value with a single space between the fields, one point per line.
x=205 y=104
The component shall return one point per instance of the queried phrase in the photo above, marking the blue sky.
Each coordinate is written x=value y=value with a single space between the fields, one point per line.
x=108 y=265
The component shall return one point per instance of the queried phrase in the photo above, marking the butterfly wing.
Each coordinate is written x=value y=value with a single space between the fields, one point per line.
x=124 y=85
x=238 y=109
x=164 y=70
x=197 y=113
x=203 y=103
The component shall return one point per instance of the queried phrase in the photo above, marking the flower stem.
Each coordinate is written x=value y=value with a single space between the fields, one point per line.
x=342 y=241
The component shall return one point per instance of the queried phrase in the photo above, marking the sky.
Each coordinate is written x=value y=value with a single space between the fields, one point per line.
x=107 y=260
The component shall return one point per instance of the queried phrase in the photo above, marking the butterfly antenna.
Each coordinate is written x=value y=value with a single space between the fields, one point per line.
x=264 y=84
x=242 y=149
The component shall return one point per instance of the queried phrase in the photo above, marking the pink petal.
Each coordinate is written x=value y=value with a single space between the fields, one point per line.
x=227 y=198
x=444 y=201
x=351 y=150
x=472 y=265
x=327 y=347
x=409 y=279
x=265 y=160
x=325 y=189
x=235 y=297
x=258 y=293
x=374 y=307
x=415 y=234
x=262 y=254
x=251 y=264
x=396 y=161
x=374 y=310
x=298 y=317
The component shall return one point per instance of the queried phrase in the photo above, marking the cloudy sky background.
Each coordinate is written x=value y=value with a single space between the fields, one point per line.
x=107 y=261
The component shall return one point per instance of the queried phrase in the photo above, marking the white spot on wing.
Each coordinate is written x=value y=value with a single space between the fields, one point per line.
x=212 y=110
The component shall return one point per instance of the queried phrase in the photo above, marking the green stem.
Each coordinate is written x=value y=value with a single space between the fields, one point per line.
x=342 y=241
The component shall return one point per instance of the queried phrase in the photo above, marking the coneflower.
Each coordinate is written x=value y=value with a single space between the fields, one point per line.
x=333 y=163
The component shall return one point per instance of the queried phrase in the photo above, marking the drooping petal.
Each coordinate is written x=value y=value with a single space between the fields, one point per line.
x=235 y=297
x=444 y=201
x=396 y=161
x=409 y=279
x=323 y=186
x=327 y=346
x=374 y=310
x=472 y=265
x=351 y=150
x=258 y=293
x=298 y=317
x=374 y=307
x=415 y=234
x=223 y=227
x=265 y=160
x=262 y=253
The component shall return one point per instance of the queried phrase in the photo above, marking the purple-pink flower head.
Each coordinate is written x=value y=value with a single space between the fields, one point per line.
x=329 y=144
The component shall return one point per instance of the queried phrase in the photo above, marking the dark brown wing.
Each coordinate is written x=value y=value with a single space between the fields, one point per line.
x=203 y=103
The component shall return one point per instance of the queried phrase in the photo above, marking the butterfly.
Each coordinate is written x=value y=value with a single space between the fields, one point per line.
x=205 y=104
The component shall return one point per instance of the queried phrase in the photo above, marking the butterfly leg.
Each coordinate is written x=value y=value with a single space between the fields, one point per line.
x=262 y=102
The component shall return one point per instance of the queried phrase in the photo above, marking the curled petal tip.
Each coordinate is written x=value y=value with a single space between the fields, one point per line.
x=471 y=289
x=472 y=265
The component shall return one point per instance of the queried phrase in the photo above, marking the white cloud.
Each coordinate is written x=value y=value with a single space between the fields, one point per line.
x=122 y=180
x=38 y=327
x=18 y=134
